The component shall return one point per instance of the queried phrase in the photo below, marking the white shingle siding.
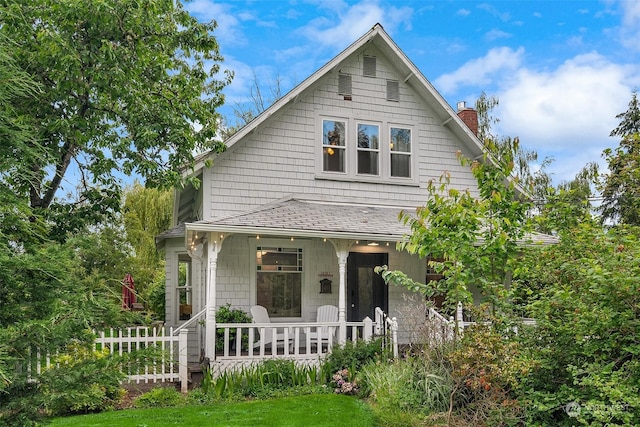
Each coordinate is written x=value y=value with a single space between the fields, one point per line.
x=281 y=158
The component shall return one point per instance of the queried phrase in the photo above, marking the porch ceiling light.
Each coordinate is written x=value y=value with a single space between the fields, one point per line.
x=373 y=244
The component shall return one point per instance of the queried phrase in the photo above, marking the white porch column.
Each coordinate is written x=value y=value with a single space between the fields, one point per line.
x=342 y=251
x=214 y=246
x=342 y=296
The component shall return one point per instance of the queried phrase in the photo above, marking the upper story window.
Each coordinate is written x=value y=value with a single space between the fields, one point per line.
x=400 y=147
x=367 y=150
x=333 y=145
x=345 y=87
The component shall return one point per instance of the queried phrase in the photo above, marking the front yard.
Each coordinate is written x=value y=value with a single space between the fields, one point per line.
x=308 y=410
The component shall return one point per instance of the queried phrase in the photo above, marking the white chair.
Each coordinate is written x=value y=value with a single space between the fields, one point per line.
x=326 y=313
x=260 y=315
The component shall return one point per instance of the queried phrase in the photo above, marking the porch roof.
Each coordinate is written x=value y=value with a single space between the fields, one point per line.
x=311 y=218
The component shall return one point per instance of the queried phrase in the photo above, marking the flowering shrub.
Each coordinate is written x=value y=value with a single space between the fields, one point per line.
x=342 y=383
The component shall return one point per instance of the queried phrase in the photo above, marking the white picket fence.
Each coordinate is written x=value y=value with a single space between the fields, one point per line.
x=169 y=366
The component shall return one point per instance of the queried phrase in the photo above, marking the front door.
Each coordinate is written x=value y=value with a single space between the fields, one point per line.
x=365 y=288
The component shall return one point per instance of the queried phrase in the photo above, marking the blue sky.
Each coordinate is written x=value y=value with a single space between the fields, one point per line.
x=562 y=70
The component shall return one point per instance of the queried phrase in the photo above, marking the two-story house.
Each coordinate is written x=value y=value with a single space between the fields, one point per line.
x=305 y=201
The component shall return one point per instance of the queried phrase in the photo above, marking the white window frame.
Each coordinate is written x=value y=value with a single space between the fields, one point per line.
x=187 y=288
x=351 y=150
x=378 y=150
x=412 y=163
x=306 y=271
x=344 y=148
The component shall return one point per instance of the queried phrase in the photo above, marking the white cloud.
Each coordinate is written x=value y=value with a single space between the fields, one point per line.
x=503 y=16
x=480 y=72
x=228 y=32
x=463 y=12
x=351 y=22
x=496 y=34
x=630 y=30
x=568 y=112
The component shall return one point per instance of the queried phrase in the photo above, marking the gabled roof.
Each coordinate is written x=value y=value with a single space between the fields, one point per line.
x=407 y=71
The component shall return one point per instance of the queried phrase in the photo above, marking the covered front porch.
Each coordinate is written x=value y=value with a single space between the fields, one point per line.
x=311 y=254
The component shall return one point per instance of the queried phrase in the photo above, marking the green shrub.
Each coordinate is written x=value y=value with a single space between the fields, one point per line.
x=352 y=356
x=226 y=314
x=411 y=385
x=160 y=397
x=269 y=378
x=82 y=381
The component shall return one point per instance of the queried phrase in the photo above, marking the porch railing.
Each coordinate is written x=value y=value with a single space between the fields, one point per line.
x=240 y=344
x=387 y=327
x=445 y=329
x=189 y=322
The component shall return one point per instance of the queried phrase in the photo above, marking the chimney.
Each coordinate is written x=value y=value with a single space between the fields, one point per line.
x=469 y=116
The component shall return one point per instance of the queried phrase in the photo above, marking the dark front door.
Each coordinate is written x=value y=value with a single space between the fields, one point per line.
x=365 y=288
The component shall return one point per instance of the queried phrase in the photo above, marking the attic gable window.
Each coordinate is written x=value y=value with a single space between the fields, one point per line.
x=344 y=85
x=393 y=90
x=369 y=66
x=333 y=145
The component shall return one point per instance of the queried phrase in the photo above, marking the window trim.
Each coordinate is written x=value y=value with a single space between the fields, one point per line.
x=351 y=165
x=370 y=150
x=344 y=148
x=411 y=153
x=306 y=271
x=183 y=257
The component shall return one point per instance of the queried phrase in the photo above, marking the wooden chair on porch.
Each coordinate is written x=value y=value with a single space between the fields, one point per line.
x=260 y=315
x=326 y=313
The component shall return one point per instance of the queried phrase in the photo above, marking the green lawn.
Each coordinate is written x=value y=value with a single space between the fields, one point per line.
x=309 y=410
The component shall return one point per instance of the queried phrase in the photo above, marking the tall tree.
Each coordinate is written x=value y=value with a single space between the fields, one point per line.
x=474 y=238
x=507 y=148
x=127 y=86
x=621 y=186
x=16 y=142
x=584 y=295
x=560 y=209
